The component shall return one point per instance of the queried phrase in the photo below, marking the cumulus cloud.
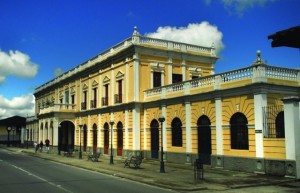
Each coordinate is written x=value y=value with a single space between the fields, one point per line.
x=16 y=63
x=21 y=105
x=202 y=34
x=240 y=6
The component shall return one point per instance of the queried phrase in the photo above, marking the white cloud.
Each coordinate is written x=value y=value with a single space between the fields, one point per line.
x=17 y=64
x=22 y=105
x=58 y=72
x=240 y=6
x=202 y=34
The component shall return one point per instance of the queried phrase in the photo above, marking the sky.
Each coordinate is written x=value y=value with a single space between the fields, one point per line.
x=42 y=39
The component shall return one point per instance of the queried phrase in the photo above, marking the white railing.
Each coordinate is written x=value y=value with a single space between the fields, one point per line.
x=57 y=108
x=256 y=73
x=136 y=40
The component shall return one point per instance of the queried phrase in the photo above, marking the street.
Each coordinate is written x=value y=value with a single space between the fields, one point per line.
x=22 y=173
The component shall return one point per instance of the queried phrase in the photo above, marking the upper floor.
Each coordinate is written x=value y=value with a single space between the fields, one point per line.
x=142 y=69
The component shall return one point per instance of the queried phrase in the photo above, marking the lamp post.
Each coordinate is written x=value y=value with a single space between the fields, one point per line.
x=8 y=131
x=111 y=143
x=80 y=152
x=162 y=164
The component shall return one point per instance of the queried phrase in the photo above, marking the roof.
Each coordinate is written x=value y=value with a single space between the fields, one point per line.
x=14 y=121
x=289 y=38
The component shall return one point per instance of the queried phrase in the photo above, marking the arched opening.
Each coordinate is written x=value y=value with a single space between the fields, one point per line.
x=106 y=138
x=119 y=139
x=279 y=123
x=154 y=128
x=66 y=136
x=95 y=144
x=46 y=131
x=176 y=132
x=84 y=137
x=204 y=139
x=239 y=132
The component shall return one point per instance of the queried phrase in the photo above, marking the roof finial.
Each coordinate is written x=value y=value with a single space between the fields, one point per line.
x=135 y=31
x=258 y=60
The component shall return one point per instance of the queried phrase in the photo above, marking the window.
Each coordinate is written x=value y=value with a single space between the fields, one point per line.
x=176 y=78
x=94 y=101
x=279 y=124
x=156 y=79
x=239 y=131
x=67 y=97
x=118 y=97
x=83 y=104
x=176 y=132
x=105 y=98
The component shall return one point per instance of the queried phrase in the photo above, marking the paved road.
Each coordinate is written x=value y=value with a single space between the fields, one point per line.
x=26 y=174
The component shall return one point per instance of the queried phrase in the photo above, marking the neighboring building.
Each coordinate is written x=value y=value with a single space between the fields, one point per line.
x=234 y=120
x=11 y=130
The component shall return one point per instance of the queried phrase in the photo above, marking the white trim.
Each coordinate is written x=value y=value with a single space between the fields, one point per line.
x=126 y=129
x=260 y=100
x=164 y=113
x=136 y=77
x=136 y=128
x=188 y=127
x=219 y=132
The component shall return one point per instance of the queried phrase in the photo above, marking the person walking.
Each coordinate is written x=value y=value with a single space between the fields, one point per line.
x=47 y=142
x=36 y=147
x=41 y=146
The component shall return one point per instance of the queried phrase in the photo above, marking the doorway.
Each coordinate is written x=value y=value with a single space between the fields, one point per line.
x=154 y=138
x=204 y=139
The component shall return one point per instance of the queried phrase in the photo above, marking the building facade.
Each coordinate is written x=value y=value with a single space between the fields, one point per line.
x=234 y=120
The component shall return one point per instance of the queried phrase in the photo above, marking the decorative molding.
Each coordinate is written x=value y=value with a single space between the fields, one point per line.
x=106 y=80
x=119 y=75
x=95 y=83
x=85 y=87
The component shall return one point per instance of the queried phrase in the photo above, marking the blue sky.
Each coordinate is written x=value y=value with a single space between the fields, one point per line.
x=39 y=38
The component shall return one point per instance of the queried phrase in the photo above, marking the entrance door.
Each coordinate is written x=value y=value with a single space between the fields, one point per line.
x=106 y=138
x=204 y=139
x=94 y=138
x=120 y=139
x=154 y=139
x=66 y=136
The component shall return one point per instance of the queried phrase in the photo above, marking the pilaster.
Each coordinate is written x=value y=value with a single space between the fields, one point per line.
x=260 y=100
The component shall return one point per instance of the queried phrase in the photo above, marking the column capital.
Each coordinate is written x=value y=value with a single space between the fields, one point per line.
x=290 y=99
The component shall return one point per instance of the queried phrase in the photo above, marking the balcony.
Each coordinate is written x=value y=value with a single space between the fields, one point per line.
x=57 y=108
x=83 y=106
x=93 y=104
x=104 y=101
x=118 y=98
x=231 y=79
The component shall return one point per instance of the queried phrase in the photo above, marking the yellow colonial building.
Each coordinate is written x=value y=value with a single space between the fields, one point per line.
x=246 y=119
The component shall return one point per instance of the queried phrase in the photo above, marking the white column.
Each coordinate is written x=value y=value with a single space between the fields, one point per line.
x=188 y=127
x=219 y=131
x=126 y=129
x=88 y=130
x=127 y=80
x=136 y=77
x=260 y=100
x=136 y=127
x=151 y=78
x=112 y=83
x=292 y=130
x=170 y=72
x=183 y=69
x=55 y=131
x=145 y=130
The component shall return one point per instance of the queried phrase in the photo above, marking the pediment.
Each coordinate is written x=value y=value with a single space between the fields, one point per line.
x=119 y=75
x=106 y=79
x=95 y=83
x=85 y=87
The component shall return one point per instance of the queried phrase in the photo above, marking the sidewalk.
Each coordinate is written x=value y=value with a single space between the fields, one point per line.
x=178 y=177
